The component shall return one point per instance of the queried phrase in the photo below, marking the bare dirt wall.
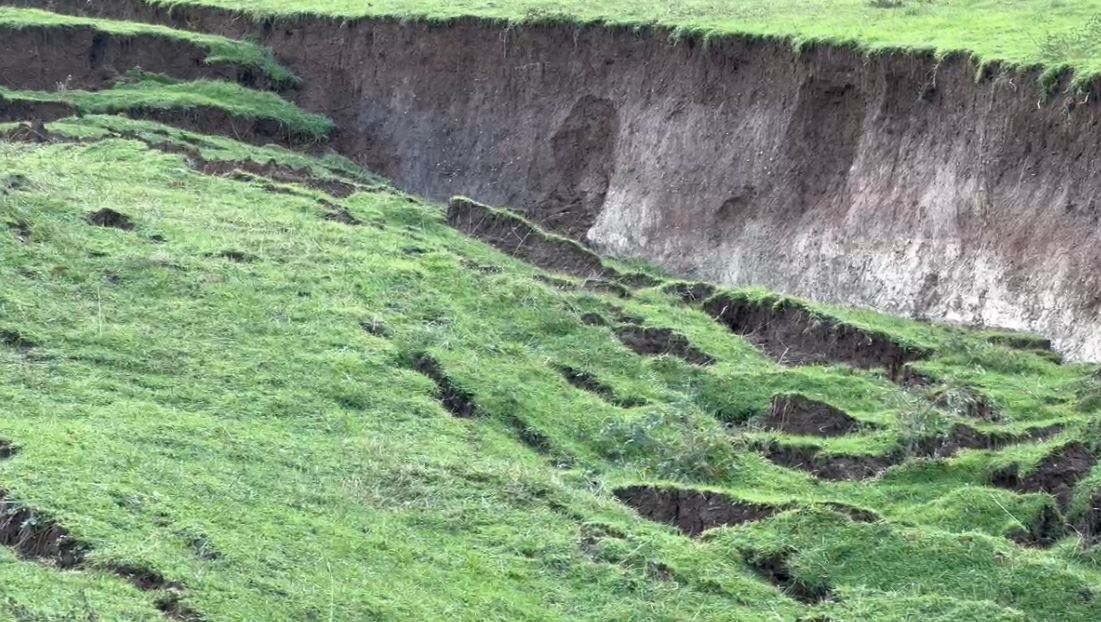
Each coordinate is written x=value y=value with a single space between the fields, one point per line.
x=893 y=182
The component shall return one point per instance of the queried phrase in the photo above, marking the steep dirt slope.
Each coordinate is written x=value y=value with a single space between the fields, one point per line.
x=896 y=182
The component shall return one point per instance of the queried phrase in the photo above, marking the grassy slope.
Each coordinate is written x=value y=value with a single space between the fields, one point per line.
x=221 y=50
x=233 y=426
x=1020 y=32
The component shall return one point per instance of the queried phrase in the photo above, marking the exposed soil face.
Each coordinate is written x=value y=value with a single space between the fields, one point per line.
x=45 y=59
x=691 y=511
x=802 y=416
x=456 y=400
x=876 y=172
x=15 y=340
x=661 y=342
x=512 y=235
x=793 y=334
x=36 y=537
x=41 y=112
x=1056 y=474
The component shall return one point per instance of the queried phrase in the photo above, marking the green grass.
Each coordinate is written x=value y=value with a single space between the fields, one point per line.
x=232 y=425
x=220 y=49
x=1049 y=33
x=151 y=92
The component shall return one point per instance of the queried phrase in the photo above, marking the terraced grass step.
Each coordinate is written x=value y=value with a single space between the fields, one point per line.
x=42 y=51
x=207 y=106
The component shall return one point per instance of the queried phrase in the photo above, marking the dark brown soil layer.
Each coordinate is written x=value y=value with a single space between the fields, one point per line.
x=36 y=537
x=691 y=511
x=801 y=416
x=856 y=180
x=661 y=342
x=456 y=400
x=42 y=112
x=1056 y=474
x=793 y=334
x=45 y=59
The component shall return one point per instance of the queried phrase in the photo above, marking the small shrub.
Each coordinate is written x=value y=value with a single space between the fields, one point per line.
x=1061 y=46
x=669 y=446
x=917 y=420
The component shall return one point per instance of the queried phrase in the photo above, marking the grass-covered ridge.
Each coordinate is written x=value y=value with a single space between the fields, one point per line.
x=221 y=50
x=1045 y=33
x=160 y=93
x=227 y=391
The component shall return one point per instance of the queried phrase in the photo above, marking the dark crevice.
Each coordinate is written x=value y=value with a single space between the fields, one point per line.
x=456 y=400
x=774 y=568
x=588 y=382
x=660 y=342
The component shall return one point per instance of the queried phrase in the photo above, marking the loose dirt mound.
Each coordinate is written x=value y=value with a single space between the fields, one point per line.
x=1056 y=474
x=515 y=236
x=660 y=342
x=799 y=415
x=45 y=59
x=588 y=382
x=691 y=511
x=456 y=400
x=791 y=333
x=109 y=218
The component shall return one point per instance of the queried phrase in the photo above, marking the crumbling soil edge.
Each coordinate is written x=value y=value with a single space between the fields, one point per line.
x=691 y=511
